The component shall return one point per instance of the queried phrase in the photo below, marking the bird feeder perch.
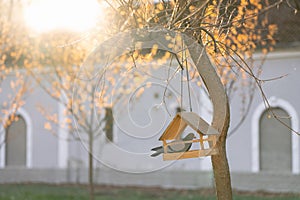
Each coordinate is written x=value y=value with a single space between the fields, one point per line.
x=207 y=134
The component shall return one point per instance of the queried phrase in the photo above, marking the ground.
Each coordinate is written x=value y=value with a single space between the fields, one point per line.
x=79 y=192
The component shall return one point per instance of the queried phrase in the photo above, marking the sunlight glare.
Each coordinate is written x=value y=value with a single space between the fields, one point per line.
x=47 y=15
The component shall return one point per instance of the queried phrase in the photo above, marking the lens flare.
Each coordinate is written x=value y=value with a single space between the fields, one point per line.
x=47 y=15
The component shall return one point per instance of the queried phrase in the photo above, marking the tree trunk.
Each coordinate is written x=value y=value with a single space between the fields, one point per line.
x=220 y=166
x=221 y=116
x=91 y=167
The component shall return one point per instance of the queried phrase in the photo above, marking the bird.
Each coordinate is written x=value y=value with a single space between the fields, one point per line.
x=178 y=146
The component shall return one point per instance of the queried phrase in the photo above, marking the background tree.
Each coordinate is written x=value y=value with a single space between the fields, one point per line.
x=15 y=51
x=50 y=58
x=87 y=103
x=63 y=63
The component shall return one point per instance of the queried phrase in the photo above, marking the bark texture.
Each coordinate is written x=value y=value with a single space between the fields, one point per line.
x=220 y=166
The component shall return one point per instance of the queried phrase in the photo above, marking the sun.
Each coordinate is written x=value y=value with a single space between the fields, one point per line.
x=73 y=15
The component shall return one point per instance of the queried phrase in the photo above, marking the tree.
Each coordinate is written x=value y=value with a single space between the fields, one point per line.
x=14 y=84
x=63 y=60
x=49 y=58
x=87 y=102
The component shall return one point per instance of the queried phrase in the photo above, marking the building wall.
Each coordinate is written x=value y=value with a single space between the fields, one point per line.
x=42 y=145
x=139 y=121
x=137 y=130
x=282 y=92
x=129 y=155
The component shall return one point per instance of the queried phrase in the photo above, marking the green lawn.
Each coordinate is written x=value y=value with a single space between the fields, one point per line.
x=71 y=192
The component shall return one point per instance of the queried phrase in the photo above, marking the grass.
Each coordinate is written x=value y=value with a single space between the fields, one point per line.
x=79 y=192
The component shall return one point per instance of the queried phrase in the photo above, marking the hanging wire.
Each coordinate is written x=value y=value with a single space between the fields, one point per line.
x=170 y=77
x=181 y=83
x=184 y=61
x=188 y=83
x=181 y=91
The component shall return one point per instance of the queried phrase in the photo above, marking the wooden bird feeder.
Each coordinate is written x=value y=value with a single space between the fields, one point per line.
x=207 y=134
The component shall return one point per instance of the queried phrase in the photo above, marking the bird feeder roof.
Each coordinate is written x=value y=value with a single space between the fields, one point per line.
x=184 y=119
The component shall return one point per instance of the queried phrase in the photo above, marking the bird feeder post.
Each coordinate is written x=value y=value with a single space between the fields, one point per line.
x=201 y=141
x=165 y=145
x=214 y=141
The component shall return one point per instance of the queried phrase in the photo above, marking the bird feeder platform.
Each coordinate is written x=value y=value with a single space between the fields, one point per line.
x=207 y=136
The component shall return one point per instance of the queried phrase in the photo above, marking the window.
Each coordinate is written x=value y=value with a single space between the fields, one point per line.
x=275 y=142
x=16 y=143
x=109 y=124
x=264 y=130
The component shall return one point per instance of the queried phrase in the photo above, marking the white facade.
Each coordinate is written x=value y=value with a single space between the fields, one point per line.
x=136 y=130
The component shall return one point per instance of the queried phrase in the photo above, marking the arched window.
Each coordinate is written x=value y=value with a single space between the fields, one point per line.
x=275 y=145
x=11 y=146
x=16 y=143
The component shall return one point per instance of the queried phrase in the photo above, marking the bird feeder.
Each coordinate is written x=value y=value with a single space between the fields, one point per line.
x=207 y=136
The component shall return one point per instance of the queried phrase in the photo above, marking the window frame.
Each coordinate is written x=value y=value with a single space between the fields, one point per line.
x=286 y=106
x=28 y=122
